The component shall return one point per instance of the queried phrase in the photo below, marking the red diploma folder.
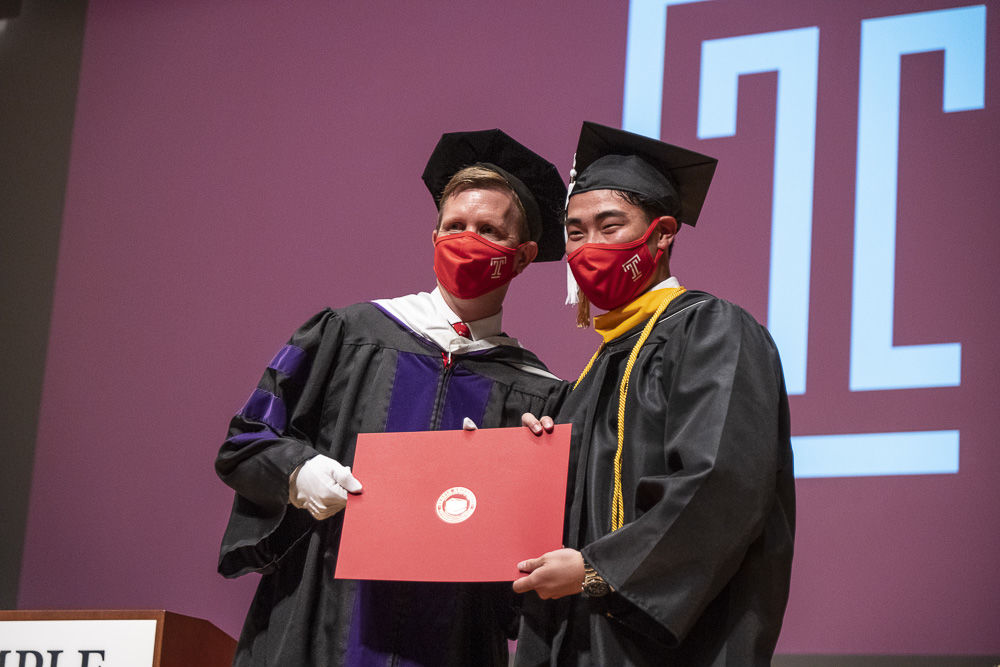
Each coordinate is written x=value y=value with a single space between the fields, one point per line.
x=454 y=505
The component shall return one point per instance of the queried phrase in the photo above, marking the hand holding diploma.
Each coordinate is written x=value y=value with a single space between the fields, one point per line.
x=537 y=425
x=320 y=485
x=552 y=575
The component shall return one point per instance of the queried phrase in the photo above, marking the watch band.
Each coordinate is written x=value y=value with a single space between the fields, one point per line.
x=594 y=585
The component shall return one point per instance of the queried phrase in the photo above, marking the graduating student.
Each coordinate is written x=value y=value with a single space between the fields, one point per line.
x=681 y=507
x=425 y=361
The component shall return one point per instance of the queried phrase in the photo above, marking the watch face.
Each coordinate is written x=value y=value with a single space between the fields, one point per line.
x=595 y=588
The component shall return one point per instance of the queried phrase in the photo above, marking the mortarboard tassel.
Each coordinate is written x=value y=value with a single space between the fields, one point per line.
x=572 y=289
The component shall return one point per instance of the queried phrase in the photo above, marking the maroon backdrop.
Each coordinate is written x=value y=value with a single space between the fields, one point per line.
x=237 y=166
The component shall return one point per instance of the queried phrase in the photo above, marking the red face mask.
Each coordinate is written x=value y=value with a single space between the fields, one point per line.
x=612 y=274
x=468 y=265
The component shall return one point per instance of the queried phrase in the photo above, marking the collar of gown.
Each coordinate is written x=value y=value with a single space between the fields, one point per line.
x=614 y=323
x=427 y=315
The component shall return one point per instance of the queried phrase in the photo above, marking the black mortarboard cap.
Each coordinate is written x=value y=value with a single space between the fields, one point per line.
x=535 y=180
x=611 y=159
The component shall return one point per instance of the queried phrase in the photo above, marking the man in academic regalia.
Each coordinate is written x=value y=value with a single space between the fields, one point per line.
x=680 y=503
x=426 y=361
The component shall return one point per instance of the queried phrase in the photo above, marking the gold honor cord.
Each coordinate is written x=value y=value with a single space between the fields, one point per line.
x=618 y=504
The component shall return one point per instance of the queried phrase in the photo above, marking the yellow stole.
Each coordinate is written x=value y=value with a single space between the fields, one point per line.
x=647 y=307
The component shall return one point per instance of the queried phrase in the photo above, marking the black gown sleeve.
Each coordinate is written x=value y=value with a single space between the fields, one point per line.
x=719 y=387
x=269 y=438
x=555 y=399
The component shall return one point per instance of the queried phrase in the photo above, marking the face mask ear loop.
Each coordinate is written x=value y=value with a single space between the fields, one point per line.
x=572 y=289
x=659 y=251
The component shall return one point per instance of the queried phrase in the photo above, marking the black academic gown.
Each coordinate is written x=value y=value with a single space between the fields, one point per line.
x=349 y=371
x=700 y=568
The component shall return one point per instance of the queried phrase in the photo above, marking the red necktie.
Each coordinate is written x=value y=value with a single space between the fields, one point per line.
x=461 y=329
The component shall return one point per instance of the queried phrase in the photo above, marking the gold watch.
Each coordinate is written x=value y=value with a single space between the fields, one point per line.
x=594 y=585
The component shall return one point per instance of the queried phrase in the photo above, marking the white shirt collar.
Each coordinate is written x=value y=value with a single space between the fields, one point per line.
x=427 y=315
x=478 y=329
x=669 y=282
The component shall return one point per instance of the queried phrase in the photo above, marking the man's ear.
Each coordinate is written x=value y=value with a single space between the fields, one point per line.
x=667 y=224
x=526 y=254
x=434 y=236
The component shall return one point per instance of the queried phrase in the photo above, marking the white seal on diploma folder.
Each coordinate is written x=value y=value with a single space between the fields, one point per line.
x=456 y=504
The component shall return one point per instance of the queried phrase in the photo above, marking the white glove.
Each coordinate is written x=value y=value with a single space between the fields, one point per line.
x=320 y=485
x=469 y=425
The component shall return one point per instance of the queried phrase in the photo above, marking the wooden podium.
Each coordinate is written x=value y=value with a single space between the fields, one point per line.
x=111 y=638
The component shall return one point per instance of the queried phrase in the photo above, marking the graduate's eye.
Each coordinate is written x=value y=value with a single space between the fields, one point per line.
x=454 y=226
x=574 y=234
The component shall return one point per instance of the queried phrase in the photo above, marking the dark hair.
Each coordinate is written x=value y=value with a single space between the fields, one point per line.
x=652 y=208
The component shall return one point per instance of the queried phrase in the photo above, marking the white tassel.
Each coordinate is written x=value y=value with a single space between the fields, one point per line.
x=572 y=182
x=572 y=288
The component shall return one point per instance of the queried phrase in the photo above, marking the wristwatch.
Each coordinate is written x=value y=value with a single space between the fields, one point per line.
x=594 y=585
